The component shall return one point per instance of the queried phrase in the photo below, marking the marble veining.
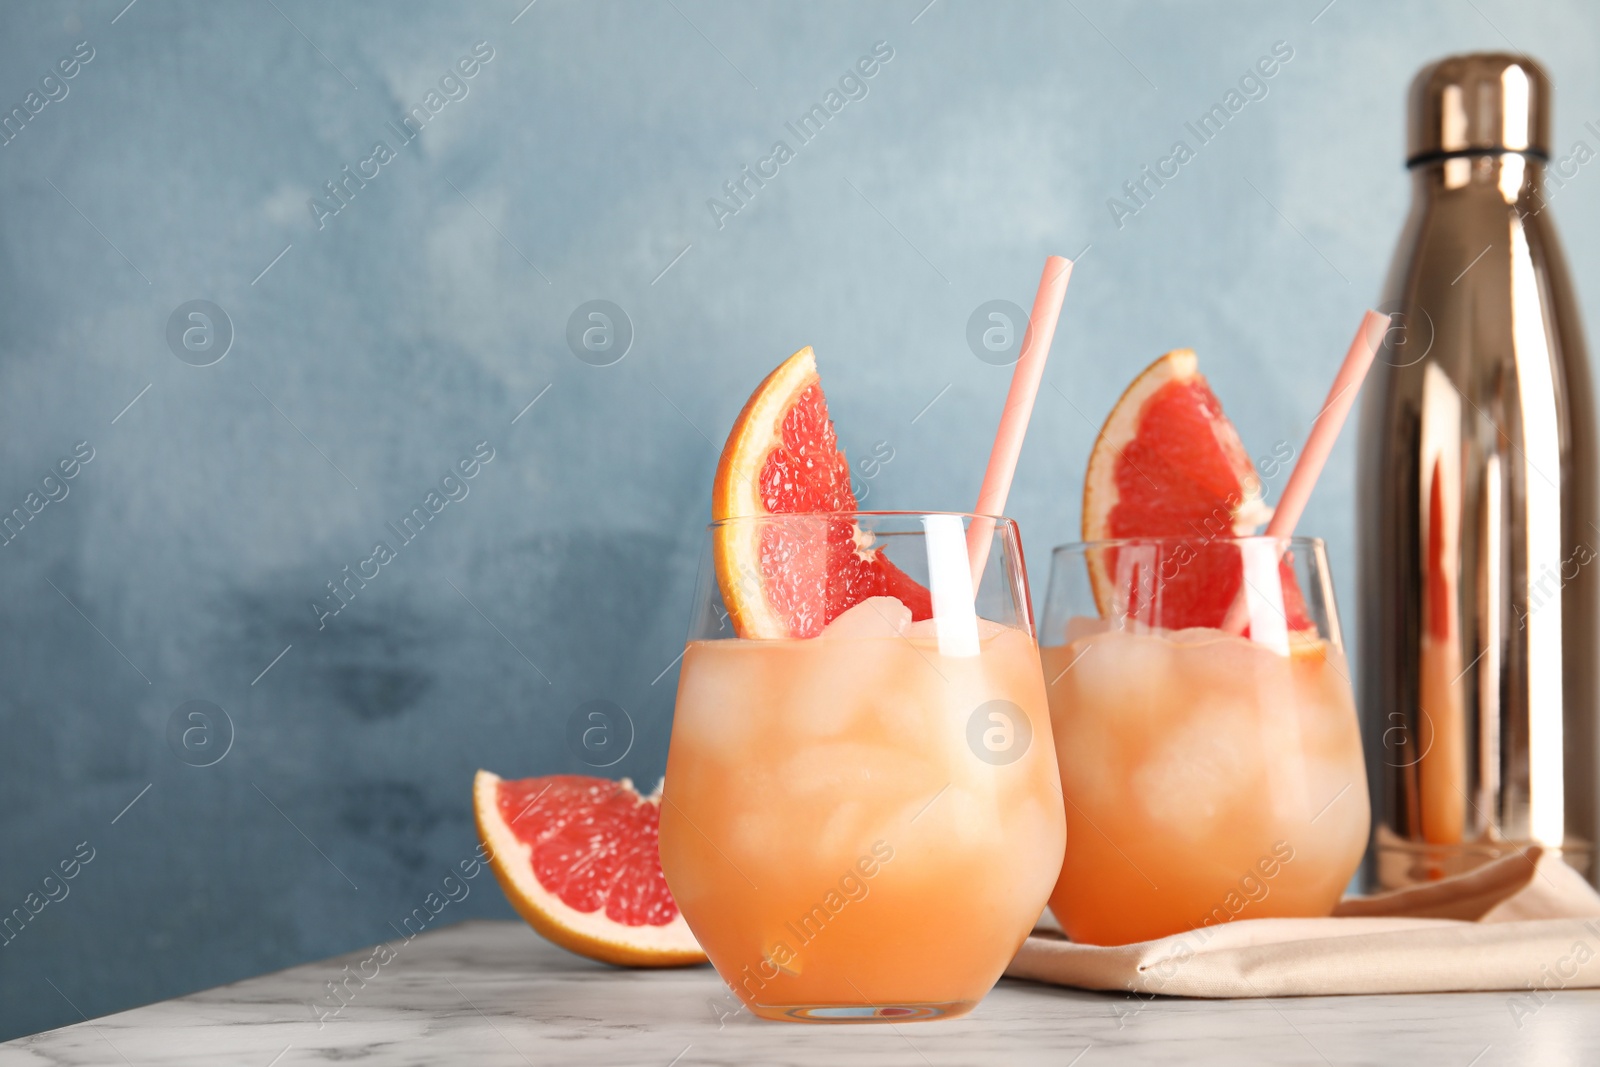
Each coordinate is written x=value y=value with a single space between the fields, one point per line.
x=492 y=993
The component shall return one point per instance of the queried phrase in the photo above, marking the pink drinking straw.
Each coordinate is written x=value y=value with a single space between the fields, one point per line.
x=1019 y=406
x=1319 y=443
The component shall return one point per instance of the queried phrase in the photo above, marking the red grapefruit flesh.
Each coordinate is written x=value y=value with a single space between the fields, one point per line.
x=783 y=457
x=1169 y=464
x=578 y=859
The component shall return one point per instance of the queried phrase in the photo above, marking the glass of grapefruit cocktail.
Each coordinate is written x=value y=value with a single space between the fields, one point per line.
x=860 y=819
x=1200 y=700
x=1212 y=770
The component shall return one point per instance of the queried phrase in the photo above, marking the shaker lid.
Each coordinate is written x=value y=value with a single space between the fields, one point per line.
x=1477 y=103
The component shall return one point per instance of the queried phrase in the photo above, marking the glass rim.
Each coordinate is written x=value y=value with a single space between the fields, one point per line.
x=1294 y=540
x=735 y=520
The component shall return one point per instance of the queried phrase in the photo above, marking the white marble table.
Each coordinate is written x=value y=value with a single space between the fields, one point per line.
x=490 y=993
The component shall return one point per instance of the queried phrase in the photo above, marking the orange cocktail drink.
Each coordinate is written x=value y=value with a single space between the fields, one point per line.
x=864 y=824
x=1209 y=772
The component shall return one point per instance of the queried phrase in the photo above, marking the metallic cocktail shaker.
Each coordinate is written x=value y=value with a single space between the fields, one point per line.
x=1476 y=501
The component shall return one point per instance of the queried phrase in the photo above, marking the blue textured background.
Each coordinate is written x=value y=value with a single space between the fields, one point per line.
x=425 y=316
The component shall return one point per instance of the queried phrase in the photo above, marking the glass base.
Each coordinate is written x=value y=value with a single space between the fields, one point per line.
x=862 y=1013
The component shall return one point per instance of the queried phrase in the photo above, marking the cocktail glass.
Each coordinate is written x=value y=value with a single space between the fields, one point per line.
x=865 y=824
x=1210 y=756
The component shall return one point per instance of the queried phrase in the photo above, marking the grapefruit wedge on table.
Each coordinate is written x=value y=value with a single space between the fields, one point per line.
x=578 y=859
x=783 y=458
x=1168 y=463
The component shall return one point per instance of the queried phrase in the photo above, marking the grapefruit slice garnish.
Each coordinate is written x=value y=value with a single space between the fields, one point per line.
x=578 y=859
x=782 y=457
x=1169 y=464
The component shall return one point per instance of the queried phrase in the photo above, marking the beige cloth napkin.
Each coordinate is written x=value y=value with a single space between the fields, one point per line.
x=1526 y=922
